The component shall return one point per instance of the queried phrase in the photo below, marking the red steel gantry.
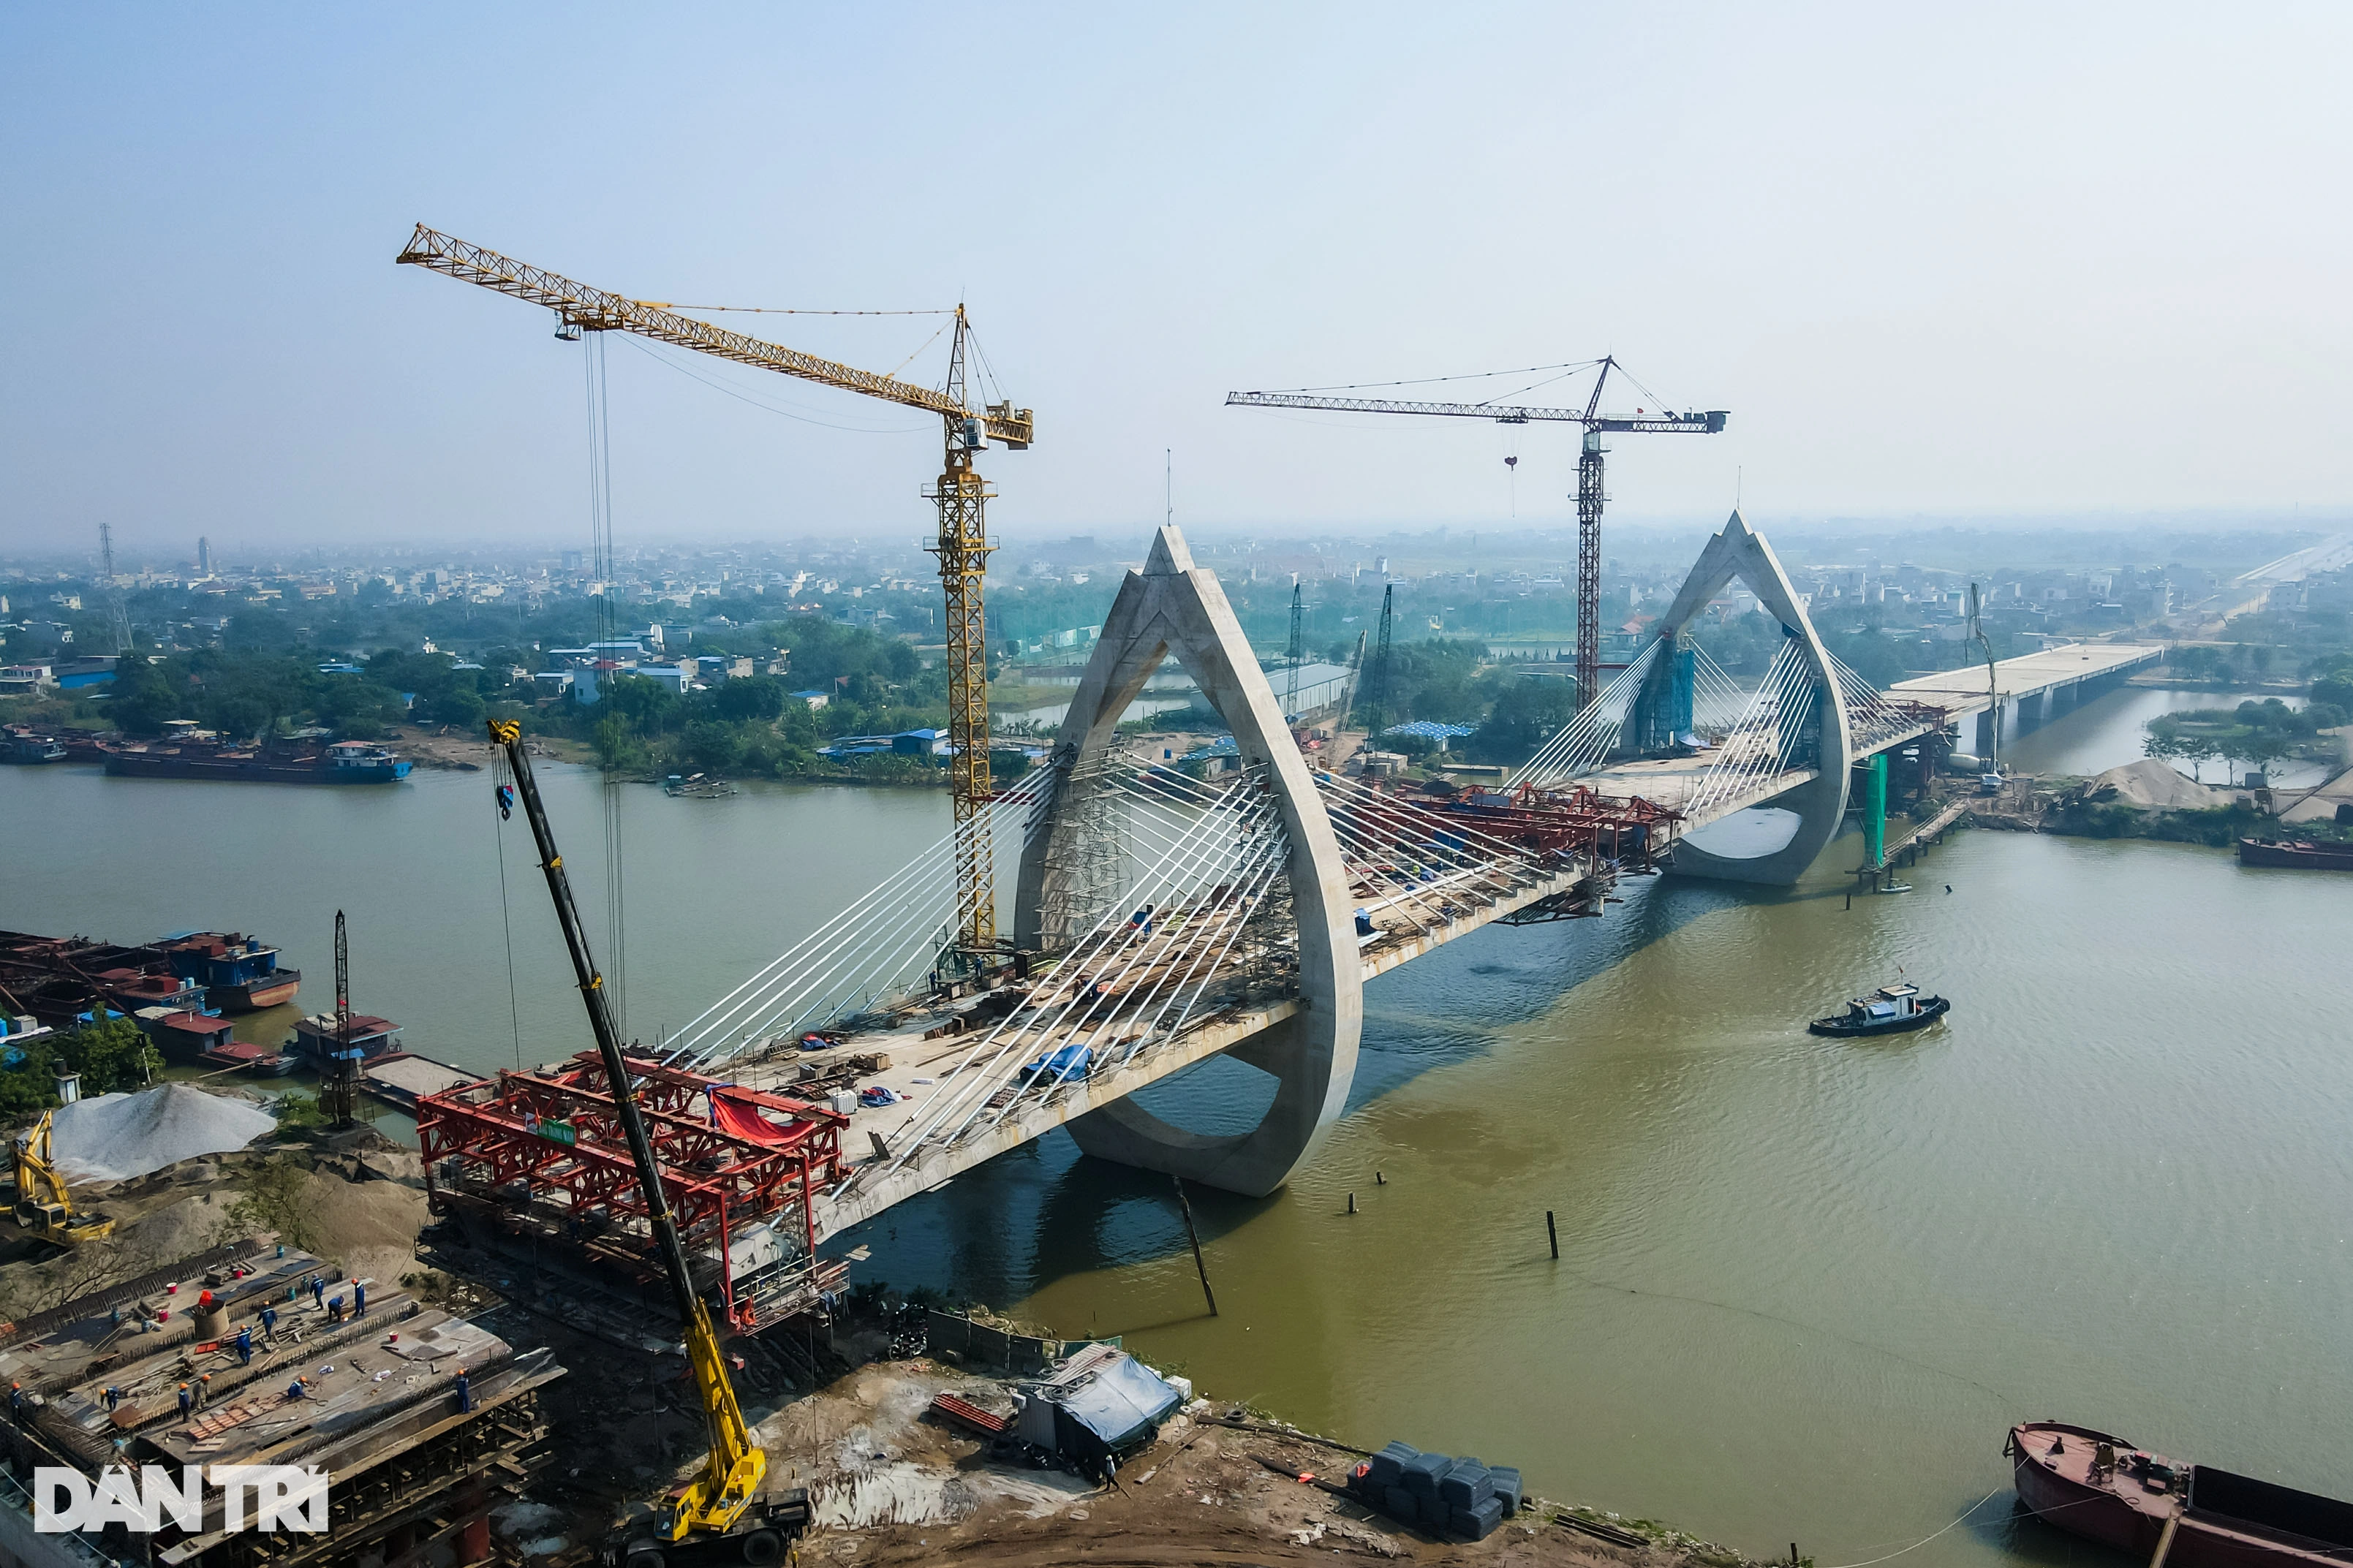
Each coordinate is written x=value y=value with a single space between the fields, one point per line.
x=730 y=1158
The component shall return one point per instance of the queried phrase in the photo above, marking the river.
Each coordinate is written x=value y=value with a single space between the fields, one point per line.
x=1804 y=1284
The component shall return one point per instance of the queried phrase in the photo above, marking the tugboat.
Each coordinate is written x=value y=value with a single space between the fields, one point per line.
x=1890 y=1010
x=2101 y=1487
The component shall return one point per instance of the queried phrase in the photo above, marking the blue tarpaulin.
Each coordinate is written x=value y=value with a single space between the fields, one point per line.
x=1070 y=1062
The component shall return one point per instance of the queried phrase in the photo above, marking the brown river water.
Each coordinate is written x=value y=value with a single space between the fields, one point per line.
x=1804 y=1284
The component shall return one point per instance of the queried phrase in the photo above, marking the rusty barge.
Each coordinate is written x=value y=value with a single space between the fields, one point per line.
x=2106 y=1489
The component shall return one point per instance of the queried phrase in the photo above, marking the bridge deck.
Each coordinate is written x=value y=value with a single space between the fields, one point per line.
x=1963 y=691
x=920 y=1067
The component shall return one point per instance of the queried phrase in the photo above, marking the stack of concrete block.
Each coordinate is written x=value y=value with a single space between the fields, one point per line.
x=1444 y=1495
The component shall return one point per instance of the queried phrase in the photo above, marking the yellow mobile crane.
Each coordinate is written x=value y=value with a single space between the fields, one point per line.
x=721 y=1517
x=43 y=1204
x=962 y=546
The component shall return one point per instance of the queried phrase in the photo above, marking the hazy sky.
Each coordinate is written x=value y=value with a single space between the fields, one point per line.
x=1962 y=260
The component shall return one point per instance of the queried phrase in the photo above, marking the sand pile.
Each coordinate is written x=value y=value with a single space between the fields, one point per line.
x=114 y=1137
x=2154 y=786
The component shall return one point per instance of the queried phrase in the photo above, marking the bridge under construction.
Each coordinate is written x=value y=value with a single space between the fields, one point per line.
x=1161 y=919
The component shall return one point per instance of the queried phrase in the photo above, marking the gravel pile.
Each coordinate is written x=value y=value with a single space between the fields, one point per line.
x=114 y=1137
x=2151 y=784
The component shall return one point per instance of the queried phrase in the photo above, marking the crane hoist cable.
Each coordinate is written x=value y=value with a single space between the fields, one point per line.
x=961 y=495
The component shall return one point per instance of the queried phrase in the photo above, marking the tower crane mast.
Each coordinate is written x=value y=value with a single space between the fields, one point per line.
x=961 y=495
x=1590 y=496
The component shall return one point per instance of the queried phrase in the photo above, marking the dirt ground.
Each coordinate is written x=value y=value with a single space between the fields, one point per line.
x=447 y=746
x=891 y=1484
x=360 y=1206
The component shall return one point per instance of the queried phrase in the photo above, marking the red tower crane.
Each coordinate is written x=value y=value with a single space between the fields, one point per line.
x=1589 y=494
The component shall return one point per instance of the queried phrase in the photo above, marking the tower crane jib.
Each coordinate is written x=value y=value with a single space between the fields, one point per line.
x=1590 y=496
x=961 y=495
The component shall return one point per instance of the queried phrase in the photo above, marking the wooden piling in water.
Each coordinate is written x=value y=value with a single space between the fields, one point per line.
x=1551 y=1232
x=1194 y=1237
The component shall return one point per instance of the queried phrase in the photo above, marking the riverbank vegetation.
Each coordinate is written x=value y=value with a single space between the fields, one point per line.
x=2258 y=733
x=111 y=1056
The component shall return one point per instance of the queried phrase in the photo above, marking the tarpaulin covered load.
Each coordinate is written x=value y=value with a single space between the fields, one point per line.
x=1104 y=1406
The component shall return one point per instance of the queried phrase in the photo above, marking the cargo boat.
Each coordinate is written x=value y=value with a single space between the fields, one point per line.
x=317 y=1039
x=186 y=1037
x=24 y=746
x=2295 y=852
x=2101 y=1487
x=345 y=762
x=238 y=973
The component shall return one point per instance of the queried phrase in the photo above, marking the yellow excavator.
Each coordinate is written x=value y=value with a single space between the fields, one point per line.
x=43 y=1204
x=720 y=1516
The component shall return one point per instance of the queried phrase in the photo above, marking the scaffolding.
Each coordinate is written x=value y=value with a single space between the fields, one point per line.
x=543 y=1152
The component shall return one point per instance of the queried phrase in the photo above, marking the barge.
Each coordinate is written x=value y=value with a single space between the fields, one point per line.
x=238 y=973
x=2104 y=1489
x=344 y=763
x=2299 y=853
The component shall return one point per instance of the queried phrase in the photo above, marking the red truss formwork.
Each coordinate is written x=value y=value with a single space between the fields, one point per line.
x=730 y=1158
x=1625 y=830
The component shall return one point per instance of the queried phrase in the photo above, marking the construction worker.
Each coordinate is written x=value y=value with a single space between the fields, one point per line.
x=465 y=1392
x=113 y=1398
x=269 y=1323
x=299 y=1388
x=245 y=1345
x=204 y=1389
x=17 y=1403
x=335 y=1307
x=359 y=1299
x=187 y=1402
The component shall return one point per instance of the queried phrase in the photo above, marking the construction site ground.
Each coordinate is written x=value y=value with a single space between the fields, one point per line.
x=891 y=1482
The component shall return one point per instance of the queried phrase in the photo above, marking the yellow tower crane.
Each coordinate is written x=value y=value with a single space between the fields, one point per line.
x=960 y=494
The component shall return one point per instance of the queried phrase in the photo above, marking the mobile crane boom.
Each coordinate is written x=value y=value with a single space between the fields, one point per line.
x=718 y=1498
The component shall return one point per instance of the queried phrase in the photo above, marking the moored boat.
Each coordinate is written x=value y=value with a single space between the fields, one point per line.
x=2104 y=1489
x=345 y=762
x=21 y=745
x=238 y=973
x=1890 y=1010
x=2300 y=853
x=243 y=1056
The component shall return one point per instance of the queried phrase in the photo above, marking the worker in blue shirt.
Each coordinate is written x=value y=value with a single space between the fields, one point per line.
x=318 y=1290
x=245 y=1345
x=188 y=1402
x=465 y=1392
x=113 y=1398
x=270 y=1323
x=359 y=1299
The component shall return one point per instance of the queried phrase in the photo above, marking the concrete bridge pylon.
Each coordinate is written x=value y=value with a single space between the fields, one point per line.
x=1173 y=609
x=1819 y=802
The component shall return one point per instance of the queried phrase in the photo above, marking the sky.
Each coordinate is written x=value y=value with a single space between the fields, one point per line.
x=1979 y=261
